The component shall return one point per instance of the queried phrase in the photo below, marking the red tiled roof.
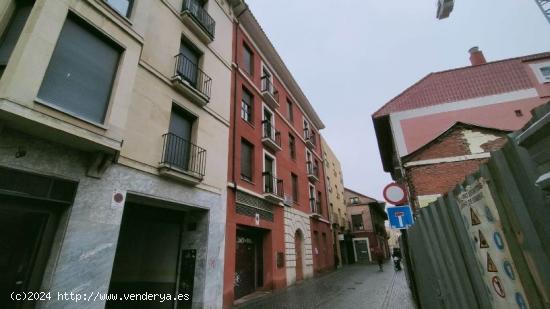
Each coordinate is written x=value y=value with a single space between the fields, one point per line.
x=462 y=84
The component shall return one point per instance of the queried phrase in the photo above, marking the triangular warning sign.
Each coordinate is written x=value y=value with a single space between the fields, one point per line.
x=491 y=267
x=482 y=241
x=475 y=218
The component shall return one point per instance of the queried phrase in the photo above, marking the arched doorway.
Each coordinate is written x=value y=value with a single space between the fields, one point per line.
x=298 y=245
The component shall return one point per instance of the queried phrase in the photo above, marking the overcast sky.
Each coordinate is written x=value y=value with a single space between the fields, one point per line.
x=351 y=56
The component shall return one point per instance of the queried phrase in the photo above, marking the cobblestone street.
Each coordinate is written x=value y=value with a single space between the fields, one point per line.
x=356 y=286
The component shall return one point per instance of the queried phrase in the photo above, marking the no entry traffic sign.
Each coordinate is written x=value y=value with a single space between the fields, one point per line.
x=395 y=194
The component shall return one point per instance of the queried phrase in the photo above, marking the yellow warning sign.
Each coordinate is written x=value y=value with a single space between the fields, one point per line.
x=491 y=267
x=482 y=241
x=475 y=218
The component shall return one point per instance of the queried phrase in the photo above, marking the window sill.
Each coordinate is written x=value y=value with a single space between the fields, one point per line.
x=251 y=124
x=248 y=181
x=69 y=113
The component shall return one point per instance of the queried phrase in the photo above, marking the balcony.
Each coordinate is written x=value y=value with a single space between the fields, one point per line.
x=315 y=207
x=271 y=138
x=273 y=188
x=182 y=160
x=312 y=171
x=191 y=80
x=195 y=17
x=269 y=94
x=310 y=138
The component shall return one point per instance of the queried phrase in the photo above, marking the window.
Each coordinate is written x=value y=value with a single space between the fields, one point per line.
x=354 y=200
x=290 y=111
x=312 y=198
x=122 y=6
x=545 y=71
x=328 y=184
x=294 y=178
x=306 y=130
x=357 y=222
x=518 y=112
x=179 y=150
x=188 y=65
x=319 y=199
x=247 y=103
x=81 y=72
x=248 y=60
x=247 y=159
x=292 y=146
x=13 y=31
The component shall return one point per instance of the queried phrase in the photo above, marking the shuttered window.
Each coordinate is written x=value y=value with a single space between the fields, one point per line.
x=248 y=57
x=81 y=71
x=247 y=157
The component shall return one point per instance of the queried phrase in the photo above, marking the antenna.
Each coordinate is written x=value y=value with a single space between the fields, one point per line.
x=545 y=8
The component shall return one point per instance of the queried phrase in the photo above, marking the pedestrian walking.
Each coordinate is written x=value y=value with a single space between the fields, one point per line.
x=380 y=260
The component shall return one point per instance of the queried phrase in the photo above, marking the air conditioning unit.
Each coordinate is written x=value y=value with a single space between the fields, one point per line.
x=288 y=200
x=444 y=8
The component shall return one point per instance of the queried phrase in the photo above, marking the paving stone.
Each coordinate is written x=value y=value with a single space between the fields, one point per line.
x=354 y=286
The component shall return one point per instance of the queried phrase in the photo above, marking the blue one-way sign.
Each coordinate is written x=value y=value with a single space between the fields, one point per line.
x=400 y=216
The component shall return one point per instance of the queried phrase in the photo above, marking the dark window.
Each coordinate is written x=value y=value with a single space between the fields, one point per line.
x=189 y=66
x=292 y=146
x=290 y=111
x=294 y=187
x=13 y=31
x=545 y=72
x=319 y=199
x=246 y=106
x=247 y=157
x=81 y=72
x=248 y=60
x=124 y=7
x=178 y=145
x=354 y=200
x=357 y=221
x=518 y=112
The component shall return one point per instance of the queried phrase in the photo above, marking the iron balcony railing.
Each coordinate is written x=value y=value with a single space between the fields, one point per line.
x=181 y=154
x=273 y=185
x=312 y=205
x=190 y=72
x=267 y=86
x=200 y=15
x=312 y=169
x=309 y=136
x=270 y=132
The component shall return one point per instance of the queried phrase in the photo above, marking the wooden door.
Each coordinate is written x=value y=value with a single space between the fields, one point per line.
x=298 y=239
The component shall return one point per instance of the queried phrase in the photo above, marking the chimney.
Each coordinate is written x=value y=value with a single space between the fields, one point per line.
x=476 y=56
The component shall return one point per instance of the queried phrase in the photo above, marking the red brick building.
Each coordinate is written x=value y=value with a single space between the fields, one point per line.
x=418 y=136
x=436 y=168
x=277 y=229
x=366 y=216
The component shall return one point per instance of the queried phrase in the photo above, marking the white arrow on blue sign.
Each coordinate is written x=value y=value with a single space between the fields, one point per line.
x=400 y=216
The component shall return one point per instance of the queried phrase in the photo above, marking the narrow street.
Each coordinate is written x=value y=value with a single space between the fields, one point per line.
x=355 y=286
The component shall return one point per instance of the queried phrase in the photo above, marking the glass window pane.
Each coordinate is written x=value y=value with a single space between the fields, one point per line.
x=80 y=75
x=12 y=33
x=122 y=6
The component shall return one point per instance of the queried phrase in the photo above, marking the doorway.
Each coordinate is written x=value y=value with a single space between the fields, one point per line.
x=27 y=229
x=248 y=262
x=362 y=252
x=298 y=245
x=149 y=257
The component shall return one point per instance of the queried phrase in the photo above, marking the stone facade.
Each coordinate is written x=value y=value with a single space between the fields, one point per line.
x=296 y=220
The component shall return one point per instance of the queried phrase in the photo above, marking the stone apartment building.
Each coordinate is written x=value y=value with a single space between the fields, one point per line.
x=336 y=201
x=443 y=127
x=114 y=121
x=278 y=230
x=367 y=218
